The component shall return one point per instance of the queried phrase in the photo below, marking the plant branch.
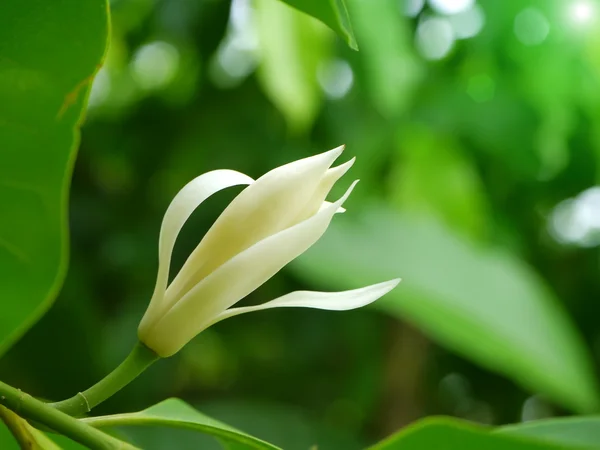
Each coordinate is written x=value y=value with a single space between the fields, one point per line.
x=136 y=362
x=25 y=405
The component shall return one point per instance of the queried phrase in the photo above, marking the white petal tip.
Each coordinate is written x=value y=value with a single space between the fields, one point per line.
x=392 y=283
x=345 y=166
x=336 y=151
x=344 y=197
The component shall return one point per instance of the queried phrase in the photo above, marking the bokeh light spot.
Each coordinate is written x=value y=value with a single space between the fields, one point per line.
x=577 y=220
x=435 y=37
x=336 y=78
x=451 y=6
x=531 y=26
x=155 y=65
x=468 y=23
x=100 y=88
x=411 y=8
x=582 y=11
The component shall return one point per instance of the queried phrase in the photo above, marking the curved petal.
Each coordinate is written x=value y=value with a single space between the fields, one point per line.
x=332 y=301
x=268 y=206
x=178 y=212
x=327 y=182
x=234 y=280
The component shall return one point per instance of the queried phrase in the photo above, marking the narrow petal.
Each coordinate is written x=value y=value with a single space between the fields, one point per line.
x=327 y=182
x=333 y=301
x=178 y=212
x=325 y=204
x=235 y=279
x=266 y=207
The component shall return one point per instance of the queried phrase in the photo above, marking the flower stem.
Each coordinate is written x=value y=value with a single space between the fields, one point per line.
x=136 y=362
x=27 y=406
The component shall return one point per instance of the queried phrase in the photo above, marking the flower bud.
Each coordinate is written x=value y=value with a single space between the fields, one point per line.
x=272 y=221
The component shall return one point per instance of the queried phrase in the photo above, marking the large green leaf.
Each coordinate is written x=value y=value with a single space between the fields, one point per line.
x=448 y=434
x=332 y=13
x=176 y=413
x=579 y=432
x=49 y=53
x=484 y=303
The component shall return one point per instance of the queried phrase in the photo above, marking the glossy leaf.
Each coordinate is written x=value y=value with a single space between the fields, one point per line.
x=48 y=57
x=332 y=13
x=579 y=432
x=176 y=413
x=483 y=303
x=449 y=434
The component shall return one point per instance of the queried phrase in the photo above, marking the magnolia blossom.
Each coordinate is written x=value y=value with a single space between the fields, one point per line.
x=271 y=222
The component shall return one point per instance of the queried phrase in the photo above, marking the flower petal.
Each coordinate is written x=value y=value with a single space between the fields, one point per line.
x=180 y=209
x=333 y=301
x=327 y=182
x=266 y=207
x=234 y=280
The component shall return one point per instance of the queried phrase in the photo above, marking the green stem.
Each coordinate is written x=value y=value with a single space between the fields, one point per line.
x=25 y=405
x=138 y=360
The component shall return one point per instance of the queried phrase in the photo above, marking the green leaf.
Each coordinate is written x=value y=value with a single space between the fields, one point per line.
x=449 y=434
x=433 y=174
x=579 y=432
x=391 y=69
x=332 y=13
x=481 y=302
x=48 y=57
x=291 y=46
x=176 y=413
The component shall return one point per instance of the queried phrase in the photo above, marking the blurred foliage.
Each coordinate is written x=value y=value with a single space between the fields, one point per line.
x=478 y=120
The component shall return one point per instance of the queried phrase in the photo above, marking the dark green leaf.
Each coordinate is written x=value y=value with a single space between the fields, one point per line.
x=49 y=54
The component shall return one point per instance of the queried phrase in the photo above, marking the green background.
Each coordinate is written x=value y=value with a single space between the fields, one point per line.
x=478 y=159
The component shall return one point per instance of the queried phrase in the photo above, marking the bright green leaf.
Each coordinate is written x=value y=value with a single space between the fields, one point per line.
x=579 y=432
x=291 y=46
x=176 y=413
x=484 y=303
x=48 y=57
x=332 y=13
x=448 y=434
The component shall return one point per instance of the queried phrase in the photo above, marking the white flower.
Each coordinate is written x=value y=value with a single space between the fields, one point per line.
x=271 y=222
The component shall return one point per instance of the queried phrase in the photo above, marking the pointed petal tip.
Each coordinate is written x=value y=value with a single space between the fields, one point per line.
x=337 y=150
x=344 y=197
x=393 y=283
x=345 y=166
x=339 y=171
